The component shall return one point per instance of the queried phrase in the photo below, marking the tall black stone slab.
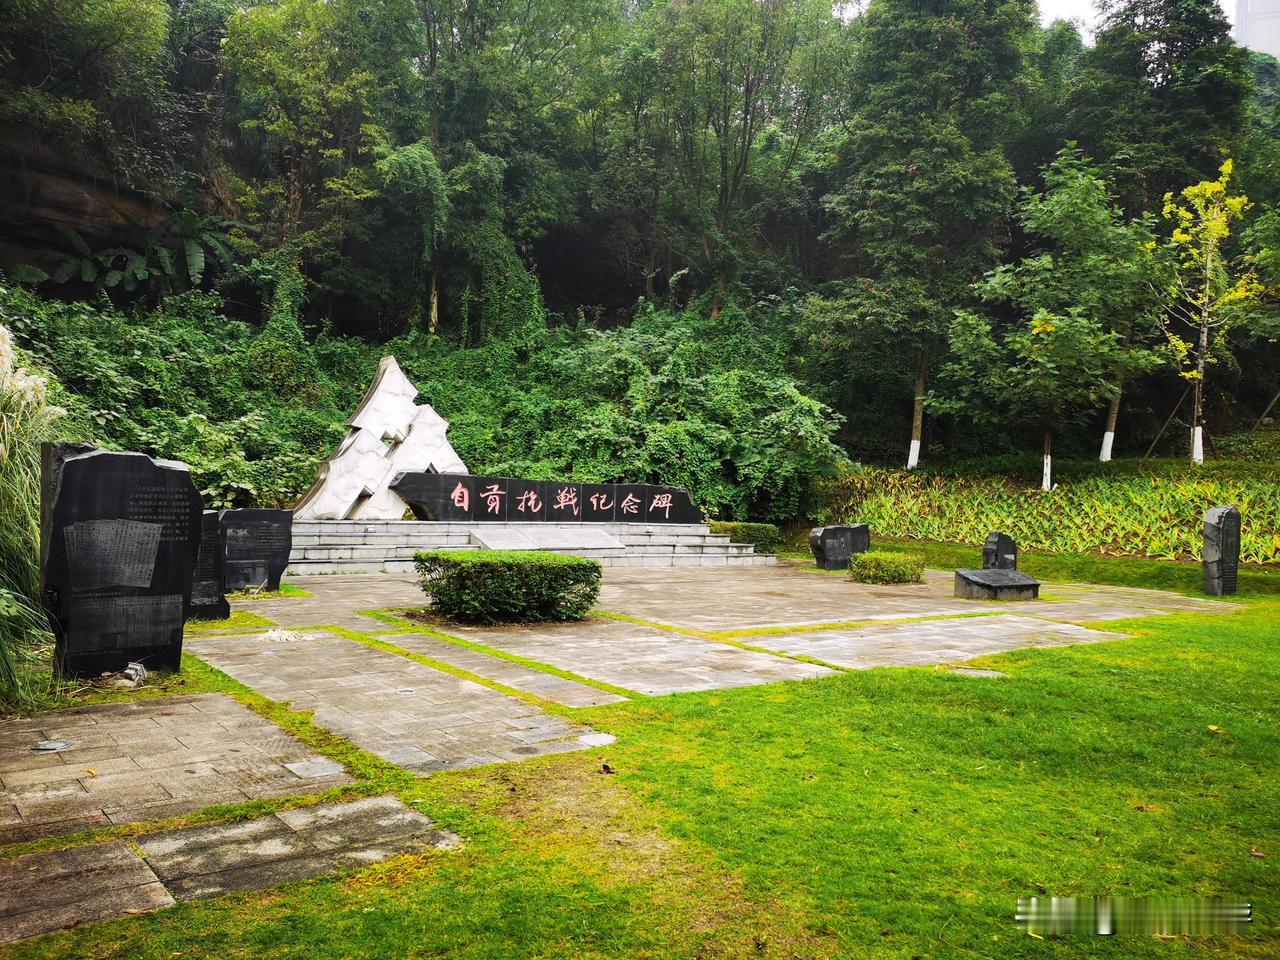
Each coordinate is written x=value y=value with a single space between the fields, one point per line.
x=833 y=546
x=1000 y=552
x=1220 y=556
x=120 y=543
x=257 y=544
x=208 y=583
x=599 y=502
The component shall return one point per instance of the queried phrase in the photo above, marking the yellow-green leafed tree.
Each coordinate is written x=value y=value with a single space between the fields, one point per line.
x=1209 y=291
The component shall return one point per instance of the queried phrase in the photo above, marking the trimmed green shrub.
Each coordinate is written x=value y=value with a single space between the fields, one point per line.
x=881 y=566
x=765 y=536
x=508 y=586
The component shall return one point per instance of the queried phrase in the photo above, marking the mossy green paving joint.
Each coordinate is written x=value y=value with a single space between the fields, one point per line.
x=240 y=621
x=409 y=626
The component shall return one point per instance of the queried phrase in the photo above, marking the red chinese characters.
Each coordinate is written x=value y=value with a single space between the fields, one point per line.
x=529 y=502
x=630 y=504
x=567 y=499
x=493 y=495
x=663 y=502
x=461 y=497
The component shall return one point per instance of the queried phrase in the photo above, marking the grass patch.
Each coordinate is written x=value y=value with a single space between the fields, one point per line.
x=286 y=591
x=239 y=620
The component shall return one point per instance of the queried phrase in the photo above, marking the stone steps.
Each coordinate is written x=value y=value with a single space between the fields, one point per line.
x=360 y=546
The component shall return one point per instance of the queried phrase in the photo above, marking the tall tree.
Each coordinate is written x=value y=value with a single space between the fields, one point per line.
x=1093 y=262
x=926 y=186
x=1210 y=291
x=1161 y=97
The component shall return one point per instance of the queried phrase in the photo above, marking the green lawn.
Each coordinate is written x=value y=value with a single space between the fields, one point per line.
x=885 y=813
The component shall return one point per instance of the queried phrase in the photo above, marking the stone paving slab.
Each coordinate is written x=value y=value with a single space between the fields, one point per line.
x=787 y=595
x=421 y=719
x=922 y=642
x=147 y=759
x=560 y=690
x=336 y=599
x=200 y=862
x=639 y=658
x=43 y=892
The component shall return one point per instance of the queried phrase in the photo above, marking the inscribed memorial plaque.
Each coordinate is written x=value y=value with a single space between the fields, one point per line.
x=120 y=538
x=258 y=543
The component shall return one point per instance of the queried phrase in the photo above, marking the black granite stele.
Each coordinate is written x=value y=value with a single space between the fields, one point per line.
x=1220 y=556
x=996 y=585
x=120 y=533
x=208 y=584
x=464 y=497
x=1000 y=552
x=833 y=546
x=257 y=544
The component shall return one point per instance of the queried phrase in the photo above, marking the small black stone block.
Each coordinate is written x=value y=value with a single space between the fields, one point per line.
x=833 y=546
x=258 y=543
x=564 y=502
x=1000 y=552
x=527 y=501
x=996 y=585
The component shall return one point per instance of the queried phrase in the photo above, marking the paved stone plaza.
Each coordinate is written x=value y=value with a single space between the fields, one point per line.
x=126 y=762
x=660 y=631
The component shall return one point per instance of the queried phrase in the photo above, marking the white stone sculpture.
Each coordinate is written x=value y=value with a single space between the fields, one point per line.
x=390 y=434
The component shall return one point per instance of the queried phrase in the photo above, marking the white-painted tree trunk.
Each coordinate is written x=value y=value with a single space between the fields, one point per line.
x=917 y=413
x=1108 y=438
x=1046 y=478
x=1197 y=444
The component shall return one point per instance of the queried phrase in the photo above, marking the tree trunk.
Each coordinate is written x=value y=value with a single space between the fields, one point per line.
x=1046 y=479
x=717 y=298
x=433 y=309
x=1109 y=435
x=1202 y=358
x=917 y=411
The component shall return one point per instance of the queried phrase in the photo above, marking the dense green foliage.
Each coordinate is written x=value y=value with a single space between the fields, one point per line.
x=884 y=566
x=532 y=180
x=766 y=536
x=508 y=586
x=1137 y=514
x=673 y=398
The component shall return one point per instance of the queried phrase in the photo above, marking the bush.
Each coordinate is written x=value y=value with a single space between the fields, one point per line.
x=507 y=586
x=765 y=536
x=881 y=566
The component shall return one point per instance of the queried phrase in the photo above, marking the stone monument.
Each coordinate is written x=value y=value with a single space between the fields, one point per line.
x=833 y=546
x=389 y=434
x=996 y=584
x=208 y=584
x=1000 y=552
x=1220 y=557
x=461 y=497
x=257 y=547
x=120 y=533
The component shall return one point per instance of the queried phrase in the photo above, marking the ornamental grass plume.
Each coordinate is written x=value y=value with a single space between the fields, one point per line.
x=26 y=421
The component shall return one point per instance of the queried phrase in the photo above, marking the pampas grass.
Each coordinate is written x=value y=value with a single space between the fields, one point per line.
x=26 y=421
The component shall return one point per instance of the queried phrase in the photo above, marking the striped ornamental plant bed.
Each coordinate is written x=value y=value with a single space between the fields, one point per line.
x=1136 y=515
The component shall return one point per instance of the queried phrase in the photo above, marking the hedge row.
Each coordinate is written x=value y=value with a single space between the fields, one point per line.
x=507 y=586
x=766 y=537
x=1137 y=515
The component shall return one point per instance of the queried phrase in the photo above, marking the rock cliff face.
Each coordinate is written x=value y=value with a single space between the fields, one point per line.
x=41 y=185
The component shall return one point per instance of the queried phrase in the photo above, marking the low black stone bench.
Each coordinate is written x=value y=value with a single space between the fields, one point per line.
x=996 y=585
